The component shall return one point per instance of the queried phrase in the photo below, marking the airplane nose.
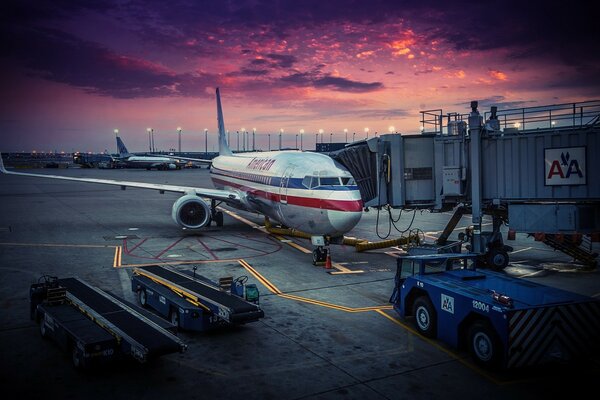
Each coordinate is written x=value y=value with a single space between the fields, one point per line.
x=343 y=221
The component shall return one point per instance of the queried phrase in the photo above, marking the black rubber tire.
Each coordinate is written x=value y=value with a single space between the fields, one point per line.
x=497 y=259
x=76 y=357
x=316 y=256
x=425 y=317
x=484 y=345
x=43 y=328
x=143 y=297
x=174 y=317
x=219 y=218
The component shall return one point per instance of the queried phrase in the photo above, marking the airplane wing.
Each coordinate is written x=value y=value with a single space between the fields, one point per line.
x=220 y=195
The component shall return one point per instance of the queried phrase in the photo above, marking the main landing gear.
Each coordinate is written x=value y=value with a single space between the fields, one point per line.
x=216 y=216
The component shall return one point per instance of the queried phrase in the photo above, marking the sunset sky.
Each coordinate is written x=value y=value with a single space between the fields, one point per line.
x=73 y=71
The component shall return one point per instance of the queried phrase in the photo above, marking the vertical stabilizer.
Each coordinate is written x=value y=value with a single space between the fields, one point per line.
x=224 y=149
x=121 y=149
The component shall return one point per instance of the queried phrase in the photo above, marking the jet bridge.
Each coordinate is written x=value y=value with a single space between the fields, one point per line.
x=535 y=169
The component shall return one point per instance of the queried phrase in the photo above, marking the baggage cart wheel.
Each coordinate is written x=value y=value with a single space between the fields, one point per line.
x=484 y=345
x=142 y=297
x=43 y=331
x=174 y=317
x=425 y=317
x=76 y=357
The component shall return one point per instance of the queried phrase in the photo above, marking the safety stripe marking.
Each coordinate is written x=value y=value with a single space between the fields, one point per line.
x=273 y=289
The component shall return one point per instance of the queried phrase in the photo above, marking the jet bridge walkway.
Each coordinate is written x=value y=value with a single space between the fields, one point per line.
x=225 y=305
x=535 y=169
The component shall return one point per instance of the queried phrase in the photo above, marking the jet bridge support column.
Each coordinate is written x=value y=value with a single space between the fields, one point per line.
x=475 y=125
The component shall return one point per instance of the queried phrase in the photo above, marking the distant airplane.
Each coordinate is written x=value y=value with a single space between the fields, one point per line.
x=129 y=160
x=309 y=192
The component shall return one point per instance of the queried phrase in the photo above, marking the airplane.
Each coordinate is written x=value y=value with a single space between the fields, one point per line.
x=308 y=192
x=128 y=160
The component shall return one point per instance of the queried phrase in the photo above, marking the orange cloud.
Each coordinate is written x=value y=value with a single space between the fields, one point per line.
x=501 y=76
x=365 y=54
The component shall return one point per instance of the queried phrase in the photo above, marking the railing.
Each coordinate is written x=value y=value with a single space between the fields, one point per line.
x=566 y=115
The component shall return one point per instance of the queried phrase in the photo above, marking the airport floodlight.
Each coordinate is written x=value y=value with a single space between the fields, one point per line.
x=391 y=128
x=366 y=130
x=321 y=131
x=116 y=132
x=301 y=131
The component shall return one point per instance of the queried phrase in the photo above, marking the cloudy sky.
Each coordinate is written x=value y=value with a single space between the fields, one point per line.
x=73 y=71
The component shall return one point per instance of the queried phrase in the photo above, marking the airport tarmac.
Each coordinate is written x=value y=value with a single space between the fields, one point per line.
x=324 y=335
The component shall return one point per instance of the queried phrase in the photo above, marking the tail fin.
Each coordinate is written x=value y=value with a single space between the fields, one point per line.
x=224 y=149
x=121 y=149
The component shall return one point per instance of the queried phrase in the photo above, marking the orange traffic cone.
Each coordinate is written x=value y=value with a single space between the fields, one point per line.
x=328 y=261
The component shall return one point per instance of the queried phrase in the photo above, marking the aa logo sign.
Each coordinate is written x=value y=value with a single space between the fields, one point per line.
x=565 y=166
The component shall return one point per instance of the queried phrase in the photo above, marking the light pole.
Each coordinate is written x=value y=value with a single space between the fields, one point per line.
x=149 y=139
x=228 y=138
x=179 y=131
x=280 y=133
x=321 y=133
x=330 y=137
x=346 y=134
x=253 y=138
x=269 y=142
x=301 y=133
x=238 y=141
x=205 y=140
x=367 y=132
x=296 y=141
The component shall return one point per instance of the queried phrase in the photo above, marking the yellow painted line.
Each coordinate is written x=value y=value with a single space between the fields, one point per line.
x=293 y=244
x=117 y=258
x=240 y=218
x=273 y=289
x=435 y=344
x=91 y=246
x=185 y=262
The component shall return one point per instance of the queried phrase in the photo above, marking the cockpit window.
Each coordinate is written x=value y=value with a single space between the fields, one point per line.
x=333 y=181
x=348 y=181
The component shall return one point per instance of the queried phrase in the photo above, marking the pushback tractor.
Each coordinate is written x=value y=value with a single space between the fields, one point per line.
x=503 y=322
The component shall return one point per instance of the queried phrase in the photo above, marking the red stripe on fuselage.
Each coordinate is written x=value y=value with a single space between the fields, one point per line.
x=312 y=202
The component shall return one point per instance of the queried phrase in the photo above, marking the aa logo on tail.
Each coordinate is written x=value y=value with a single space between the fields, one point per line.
x=565 y=166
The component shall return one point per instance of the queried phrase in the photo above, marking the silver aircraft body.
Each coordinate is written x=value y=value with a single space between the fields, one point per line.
x=306 y=191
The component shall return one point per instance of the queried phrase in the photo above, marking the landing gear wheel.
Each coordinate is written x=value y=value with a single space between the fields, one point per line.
x=319 y=255
x=425 y=317
x=497 y=259
x=174 y=317
x=484 y=346
x=142 y=297
x=219 y=218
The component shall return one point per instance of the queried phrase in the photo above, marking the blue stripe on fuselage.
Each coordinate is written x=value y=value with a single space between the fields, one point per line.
x=275 y=181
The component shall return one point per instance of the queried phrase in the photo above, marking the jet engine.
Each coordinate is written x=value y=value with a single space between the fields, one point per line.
x=190 y=211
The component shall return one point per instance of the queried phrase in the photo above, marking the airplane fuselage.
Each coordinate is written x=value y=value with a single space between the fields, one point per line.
x=302 y=190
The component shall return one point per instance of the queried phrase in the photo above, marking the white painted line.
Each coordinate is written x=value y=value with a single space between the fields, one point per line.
x=520 y=250
x=596 y=295
x=133 y=229
x=126 y=285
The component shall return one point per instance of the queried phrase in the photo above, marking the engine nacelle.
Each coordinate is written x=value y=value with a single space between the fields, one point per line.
x=190 y=211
